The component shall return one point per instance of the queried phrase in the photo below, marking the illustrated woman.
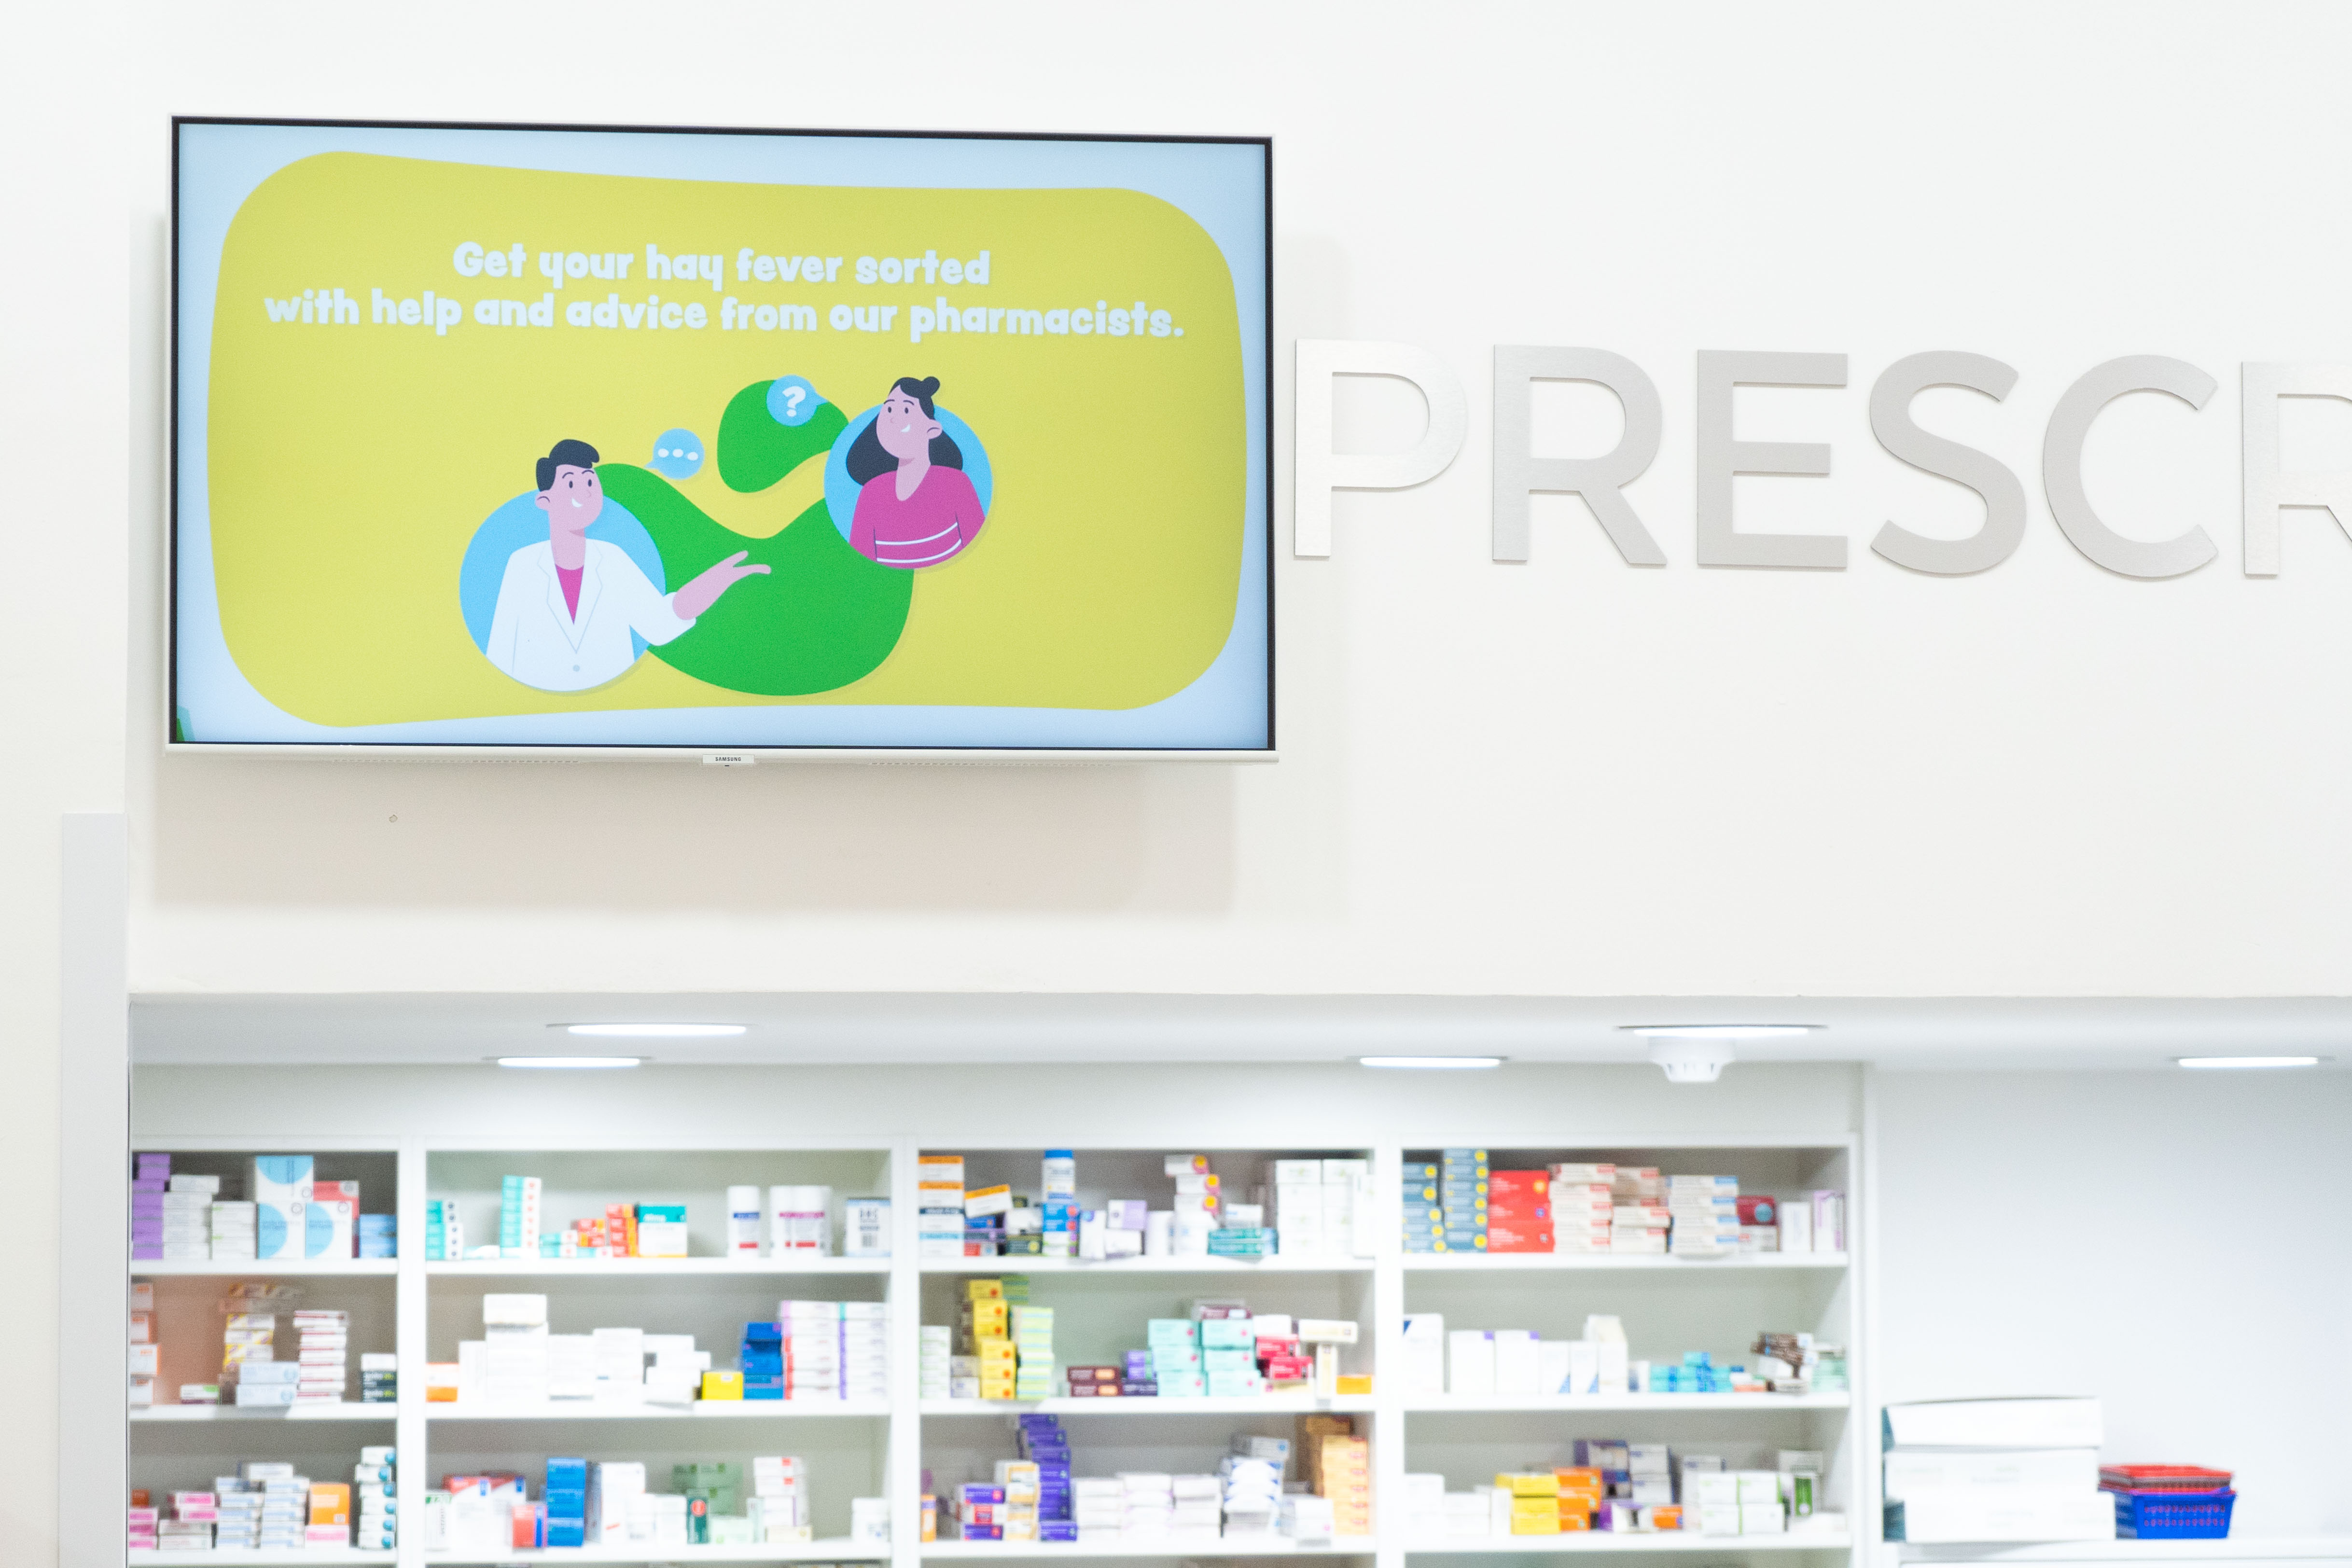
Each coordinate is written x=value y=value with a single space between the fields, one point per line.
x=915 y=508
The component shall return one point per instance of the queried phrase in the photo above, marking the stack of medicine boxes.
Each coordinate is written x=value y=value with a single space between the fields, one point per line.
x=323 y=1352
x=1534 y=1502
x=1177 y=1368
x=1706 y=1214
x=278 y=1187
x=780 y=1499
x=939 y=1206
x=187 y=1217
x=373 y=1490
x=987 y=1323
x=1424 y=1221
x=1033 y=1347
x=519 y=1217
x=1058 y=1224
x=1315 y=1206
x=1461 y=1177
x=564 y=1502
x=935 y=1363
x=151 y=1177
x=444 y=1236
x=1583 y=1210
x=145 y=1354
x=1339 y=1465
x=235 y=1231
x=1518 y=1211
x=1046 y=1446
x=1640 y=1222
x=1229 y=1356
x=760 y=1356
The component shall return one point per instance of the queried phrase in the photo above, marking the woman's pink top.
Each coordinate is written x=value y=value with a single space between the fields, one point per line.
x=940 y=518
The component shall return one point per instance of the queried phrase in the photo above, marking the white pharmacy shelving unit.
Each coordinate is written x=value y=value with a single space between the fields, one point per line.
x=886 y=1448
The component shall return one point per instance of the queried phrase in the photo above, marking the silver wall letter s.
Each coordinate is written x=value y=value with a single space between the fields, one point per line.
x=2267 y=489
x=1720 y=457
x=2004 y=498
x=2062 y=464
x=1316 y=470
x=1599 y=480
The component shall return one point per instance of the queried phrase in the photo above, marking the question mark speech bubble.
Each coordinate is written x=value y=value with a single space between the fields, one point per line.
x=790 y=399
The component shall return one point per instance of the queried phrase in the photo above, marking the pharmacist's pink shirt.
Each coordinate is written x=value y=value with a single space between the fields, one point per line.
x=940 y=518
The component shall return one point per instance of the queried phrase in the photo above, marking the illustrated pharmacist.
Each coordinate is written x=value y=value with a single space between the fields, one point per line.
x=567 y=607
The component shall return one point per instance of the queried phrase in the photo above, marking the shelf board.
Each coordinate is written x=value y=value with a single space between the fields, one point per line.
x=344 y=1412
x=1568 y=1401
x=1606 y=1540
x=1240 y=1546
x=279 y=1557
x=1256 y=1405
x=2323 y=1547
x=649 y=1267
x=700 y=1410
x=1188 y=1264
x=1442 y=1262
x=833 y=1550
x=311 y=1268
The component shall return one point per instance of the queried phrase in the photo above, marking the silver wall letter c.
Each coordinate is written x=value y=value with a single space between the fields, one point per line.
x=2062 y=464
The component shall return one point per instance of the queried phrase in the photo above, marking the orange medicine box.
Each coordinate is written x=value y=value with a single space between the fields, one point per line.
x=330 y=1502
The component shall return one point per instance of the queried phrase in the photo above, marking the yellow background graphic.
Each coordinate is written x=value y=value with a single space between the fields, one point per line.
x=350 y=464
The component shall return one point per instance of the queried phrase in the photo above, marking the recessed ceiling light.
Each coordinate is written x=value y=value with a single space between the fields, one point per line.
x=651 y=1030
x=570 y=1062
x=2227 y=1061
x=1718 y=1031
x=1431 y=1063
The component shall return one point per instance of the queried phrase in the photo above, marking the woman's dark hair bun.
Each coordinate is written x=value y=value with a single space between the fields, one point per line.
x=866 y=460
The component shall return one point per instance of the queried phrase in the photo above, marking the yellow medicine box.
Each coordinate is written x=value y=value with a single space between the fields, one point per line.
x=722 y=1385
x=983 y=1289
x=1539 y=1483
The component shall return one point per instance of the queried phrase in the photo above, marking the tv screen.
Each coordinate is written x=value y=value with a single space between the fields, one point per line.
x=556 y=438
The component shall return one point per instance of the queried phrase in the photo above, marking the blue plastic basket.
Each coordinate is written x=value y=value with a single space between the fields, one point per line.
x=2173 y=1515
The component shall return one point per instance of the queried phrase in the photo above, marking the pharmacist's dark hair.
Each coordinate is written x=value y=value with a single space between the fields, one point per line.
x=868 y=461
x=565 y=454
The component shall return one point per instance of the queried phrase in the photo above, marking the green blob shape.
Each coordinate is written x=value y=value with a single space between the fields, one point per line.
x=754 y=451
x=823 y=616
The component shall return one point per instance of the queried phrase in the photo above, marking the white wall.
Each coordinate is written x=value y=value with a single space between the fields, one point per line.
x=1570 y=777
x=2171 y=1242
x=65 y=450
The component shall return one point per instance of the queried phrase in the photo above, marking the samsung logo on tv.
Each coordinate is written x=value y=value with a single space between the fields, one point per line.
x=1601 y=481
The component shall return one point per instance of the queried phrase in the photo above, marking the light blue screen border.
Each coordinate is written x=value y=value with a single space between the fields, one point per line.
x=1220 y=185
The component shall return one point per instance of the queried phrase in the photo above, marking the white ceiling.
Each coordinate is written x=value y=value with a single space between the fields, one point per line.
x=1918 y=1033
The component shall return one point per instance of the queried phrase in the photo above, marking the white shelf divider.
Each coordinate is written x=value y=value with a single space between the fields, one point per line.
x=253 y=1268
x=278 y=1557
x=1458 y=1262
x=1261 y=1404
x=1580 y=1404
x=649 y=1267
x=282 y=1413
x=1275 y=1264
x=700 y=1410
x=841 y=1550
x=1248 y=1546
x=1585 y=1542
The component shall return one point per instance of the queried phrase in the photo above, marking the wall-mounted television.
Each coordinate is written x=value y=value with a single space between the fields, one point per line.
x=617 y=440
